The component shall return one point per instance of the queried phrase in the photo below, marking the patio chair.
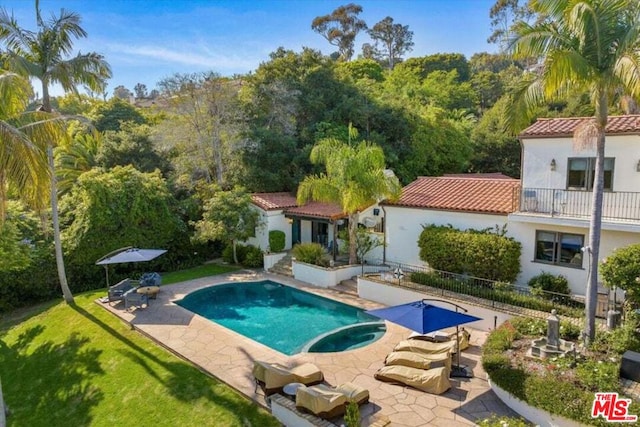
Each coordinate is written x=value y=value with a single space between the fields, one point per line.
x=272 y=377
x=435 y=380
x=329 y=402
x=134 y=299
x=117 y=291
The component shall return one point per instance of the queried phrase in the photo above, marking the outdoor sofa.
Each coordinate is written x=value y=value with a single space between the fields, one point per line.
x=117 y=291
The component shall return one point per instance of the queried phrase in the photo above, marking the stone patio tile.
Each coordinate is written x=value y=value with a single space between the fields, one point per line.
x=229 y=356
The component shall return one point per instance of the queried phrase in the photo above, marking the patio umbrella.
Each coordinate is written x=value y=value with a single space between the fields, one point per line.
x=128 y=254
x=422 y=317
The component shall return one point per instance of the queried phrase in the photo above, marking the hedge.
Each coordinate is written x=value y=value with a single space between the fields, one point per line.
x=485 y=254
x=276 y=240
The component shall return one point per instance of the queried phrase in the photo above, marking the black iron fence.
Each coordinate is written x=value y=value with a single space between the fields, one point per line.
x=488 y=292
x=616 y=205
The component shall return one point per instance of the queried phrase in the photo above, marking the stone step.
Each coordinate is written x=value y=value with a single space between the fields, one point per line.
x=349 y=286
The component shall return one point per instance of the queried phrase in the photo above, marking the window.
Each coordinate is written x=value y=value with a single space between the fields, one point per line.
x=581 y=173
x=559 y=248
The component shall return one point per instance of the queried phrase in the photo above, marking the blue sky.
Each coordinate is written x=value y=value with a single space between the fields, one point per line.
x=145 y=41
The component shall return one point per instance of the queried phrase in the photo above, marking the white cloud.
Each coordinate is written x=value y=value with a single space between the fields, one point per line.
x=194 y=56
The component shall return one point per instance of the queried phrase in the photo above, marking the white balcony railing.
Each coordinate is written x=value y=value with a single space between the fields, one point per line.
x=616 y=205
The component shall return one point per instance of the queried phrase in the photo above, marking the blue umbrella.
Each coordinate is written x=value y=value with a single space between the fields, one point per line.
x=422 y=317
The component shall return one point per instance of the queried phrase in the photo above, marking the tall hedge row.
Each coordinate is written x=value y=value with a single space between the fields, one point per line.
x=485 y=254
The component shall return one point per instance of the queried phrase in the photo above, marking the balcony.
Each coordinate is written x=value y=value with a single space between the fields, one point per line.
x=617 y=206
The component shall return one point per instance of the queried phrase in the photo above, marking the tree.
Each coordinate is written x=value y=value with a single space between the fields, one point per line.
x=121 y=92
x=355 y=178
x=119 y=207
x=131 y=145
x=209 y=107
x=112 y=114
x=228 y=216
x=23 y=164
x=589 y=45
x=503 y=14
x=395 y=40
x=76 y=157
x=621 y=270
x=43 y=55
x=140 y=90
x=340 y=28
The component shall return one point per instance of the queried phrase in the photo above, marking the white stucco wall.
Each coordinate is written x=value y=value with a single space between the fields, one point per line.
x=525 y=233
x=404 y=226
x=538 y=153
x=271 y=220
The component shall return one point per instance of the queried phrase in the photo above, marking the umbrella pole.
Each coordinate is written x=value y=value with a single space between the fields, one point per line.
x=106 y=269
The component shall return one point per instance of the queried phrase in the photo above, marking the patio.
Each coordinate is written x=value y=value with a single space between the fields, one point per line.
x=229 y=357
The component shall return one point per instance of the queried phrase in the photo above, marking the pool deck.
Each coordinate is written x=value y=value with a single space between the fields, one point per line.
x=229 y=357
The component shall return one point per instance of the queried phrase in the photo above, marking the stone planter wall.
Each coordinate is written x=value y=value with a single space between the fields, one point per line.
x=271 y=259
x=326 y=277
x=536 y=416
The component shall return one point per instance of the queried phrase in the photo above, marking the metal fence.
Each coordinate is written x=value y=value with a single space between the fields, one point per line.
x=616 y=205
x=486 y=292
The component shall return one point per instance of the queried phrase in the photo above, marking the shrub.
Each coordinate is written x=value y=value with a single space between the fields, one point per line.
x=276 y=240
x=542 y=391
x=622 y=269
x=620 y=339
x=311 y=253
x=496 y=421
x=227 y=253
x=599 y=375
x=253 y=257
x=548 y=282
x=485 y=254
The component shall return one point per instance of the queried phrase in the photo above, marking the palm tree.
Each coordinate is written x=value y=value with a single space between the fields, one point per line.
x=23 y=165
x=43 y=55
x=588 y=45
x=355 y=178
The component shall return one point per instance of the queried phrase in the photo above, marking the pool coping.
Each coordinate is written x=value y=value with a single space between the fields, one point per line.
x=228 y=356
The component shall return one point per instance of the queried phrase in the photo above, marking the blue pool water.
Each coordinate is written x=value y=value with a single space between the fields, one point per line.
x=279 y=316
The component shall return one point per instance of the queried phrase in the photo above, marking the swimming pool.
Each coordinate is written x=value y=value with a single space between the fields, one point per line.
x=281 y=317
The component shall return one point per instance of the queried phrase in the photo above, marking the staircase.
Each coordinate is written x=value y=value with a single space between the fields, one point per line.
x=283 y=267
x=349 y=286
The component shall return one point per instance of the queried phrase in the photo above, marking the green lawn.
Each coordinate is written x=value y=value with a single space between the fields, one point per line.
x=79 y=365
x=195 y=273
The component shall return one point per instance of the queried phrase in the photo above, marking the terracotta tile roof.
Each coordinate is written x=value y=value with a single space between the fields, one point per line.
x=474 y=193
x=273 y=201
x=287 y=202
x=317 y=210
x=566 y=126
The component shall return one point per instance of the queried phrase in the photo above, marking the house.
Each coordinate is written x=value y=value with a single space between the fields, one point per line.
x=314 y=222
x=554 y=205
x=470 y=201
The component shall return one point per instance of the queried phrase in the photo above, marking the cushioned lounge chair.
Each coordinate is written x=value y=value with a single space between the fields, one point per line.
x=419 y=346
x=434 y=380
x=329 y=402
x=463 y=334
x=272 y=377
x=419 y=360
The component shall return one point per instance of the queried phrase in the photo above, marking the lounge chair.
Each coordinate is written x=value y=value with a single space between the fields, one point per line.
x=438 y=336
x=419 y=346
x=329 y=402
x=434 y=380
x=419 y=360
x=272 y=377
